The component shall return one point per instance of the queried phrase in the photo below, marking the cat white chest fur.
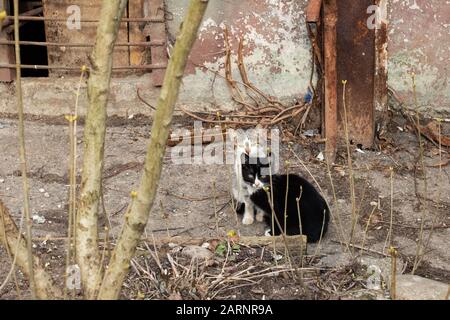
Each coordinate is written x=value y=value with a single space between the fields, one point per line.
x=241 y=190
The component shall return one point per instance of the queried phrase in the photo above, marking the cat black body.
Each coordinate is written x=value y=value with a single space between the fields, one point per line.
x=314 y=211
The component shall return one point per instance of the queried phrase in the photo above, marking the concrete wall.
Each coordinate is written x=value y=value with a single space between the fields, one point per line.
x=419 y=41
x=277 y=53
x=277 y=56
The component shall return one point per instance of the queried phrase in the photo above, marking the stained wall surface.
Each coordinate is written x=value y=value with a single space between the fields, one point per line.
x=277 y=57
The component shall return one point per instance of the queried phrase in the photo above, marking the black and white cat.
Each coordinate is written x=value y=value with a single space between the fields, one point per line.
x=248 y=145
x=262 y=187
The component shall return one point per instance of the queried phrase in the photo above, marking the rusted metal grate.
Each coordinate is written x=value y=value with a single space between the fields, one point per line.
x=68 y=50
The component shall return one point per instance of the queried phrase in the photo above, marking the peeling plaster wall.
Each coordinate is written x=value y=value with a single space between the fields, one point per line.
x=276 y=53
x=419 y=42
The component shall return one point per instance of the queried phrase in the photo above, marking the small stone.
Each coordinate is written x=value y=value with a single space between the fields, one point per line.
x=2 y=180
x=341 y=201
x=277 y=257
x=38 y=219
x=197 y=252
x=412 y=287
x=41 y=190
x=337 y=260
x=374 y=278
x=320 y=157
x=205 y=245
x=47 y=195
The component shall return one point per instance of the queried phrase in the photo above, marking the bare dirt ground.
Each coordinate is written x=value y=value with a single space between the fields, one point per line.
x=194 y=199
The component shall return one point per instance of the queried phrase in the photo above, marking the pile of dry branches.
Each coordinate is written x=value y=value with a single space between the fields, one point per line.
x=257 y=107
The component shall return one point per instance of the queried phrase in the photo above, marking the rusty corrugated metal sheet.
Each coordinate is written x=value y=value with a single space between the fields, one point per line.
x=356 y=63
x=313 y=11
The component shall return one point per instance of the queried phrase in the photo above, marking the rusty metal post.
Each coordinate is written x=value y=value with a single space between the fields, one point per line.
x=313 y=11
x=330 y=116
x=355 y=49
x=381 y=77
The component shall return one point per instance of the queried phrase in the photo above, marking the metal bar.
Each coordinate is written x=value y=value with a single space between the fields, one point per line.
x=27 y=18
x=42 y=67
x=381 y=74
x=29 y=13
x=330 y=115
x=83 y=45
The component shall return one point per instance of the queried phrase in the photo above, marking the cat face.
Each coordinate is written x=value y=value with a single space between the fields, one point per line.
x=255 y=170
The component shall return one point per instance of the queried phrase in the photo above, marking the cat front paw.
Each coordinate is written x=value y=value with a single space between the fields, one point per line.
x=248 y=219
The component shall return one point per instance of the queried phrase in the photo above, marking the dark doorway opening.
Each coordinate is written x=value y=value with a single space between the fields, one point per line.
x=32 y=31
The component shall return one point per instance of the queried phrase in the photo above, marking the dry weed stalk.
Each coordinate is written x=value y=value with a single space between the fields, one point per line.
x=366 y=229
x=350 y=165
x=388 y=241
x=72 y=119
x=434 y=221
x=336 y=216
x=215 y=208
x=22 y=153
x=393 y=253
x=420 y=251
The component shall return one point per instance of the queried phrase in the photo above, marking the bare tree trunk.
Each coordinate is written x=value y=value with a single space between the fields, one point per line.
x=17 y=244
x=137 y=215
x=87 y=251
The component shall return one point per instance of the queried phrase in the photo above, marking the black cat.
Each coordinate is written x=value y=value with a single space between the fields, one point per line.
x=314 y=211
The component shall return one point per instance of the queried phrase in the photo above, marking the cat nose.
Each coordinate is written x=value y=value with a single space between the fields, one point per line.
x=257 y=183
